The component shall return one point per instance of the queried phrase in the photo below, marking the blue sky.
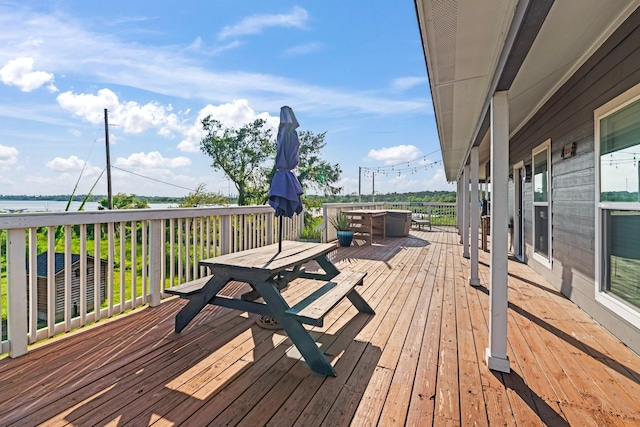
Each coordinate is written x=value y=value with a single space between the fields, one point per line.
x=354 y=69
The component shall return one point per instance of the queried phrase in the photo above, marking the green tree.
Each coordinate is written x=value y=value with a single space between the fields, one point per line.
x=240 y=154
x=313 y=171
x=201 y=197
x=124 y=201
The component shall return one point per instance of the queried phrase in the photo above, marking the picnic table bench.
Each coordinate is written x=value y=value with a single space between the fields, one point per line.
x=268 y=271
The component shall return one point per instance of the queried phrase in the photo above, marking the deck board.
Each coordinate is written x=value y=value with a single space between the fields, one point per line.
x=418 y=361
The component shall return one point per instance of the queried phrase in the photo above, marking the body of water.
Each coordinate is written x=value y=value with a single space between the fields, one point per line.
x=16 y=206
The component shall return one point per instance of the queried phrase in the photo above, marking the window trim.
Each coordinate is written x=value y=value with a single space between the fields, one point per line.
x=541 y=259
x=618 y=306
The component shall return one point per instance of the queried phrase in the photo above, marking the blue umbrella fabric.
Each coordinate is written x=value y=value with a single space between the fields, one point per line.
x=285 y=192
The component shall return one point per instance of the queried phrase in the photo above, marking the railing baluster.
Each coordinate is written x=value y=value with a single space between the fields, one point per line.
x=145 y=265
x=110 y=266
x=97 y=273
x=172 y=252
x=33 y=285
x=123 y=265
x=83 y=274
x=51 y=280
x=179 y=242
x=67 y=278
x=156 y=253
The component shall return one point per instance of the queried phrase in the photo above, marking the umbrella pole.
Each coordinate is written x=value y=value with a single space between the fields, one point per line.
x=280 y=235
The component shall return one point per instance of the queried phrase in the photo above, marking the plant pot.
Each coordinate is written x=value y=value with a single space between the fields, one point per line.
x=345 y=237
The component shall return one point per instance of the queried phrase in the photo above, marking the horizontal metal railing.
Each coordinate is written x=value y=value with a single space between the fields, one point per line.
x=68 y=269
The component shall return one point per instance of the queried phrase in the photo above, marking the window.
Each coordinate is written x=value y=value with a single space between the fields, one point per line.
x=542 y=203
x=617 y=149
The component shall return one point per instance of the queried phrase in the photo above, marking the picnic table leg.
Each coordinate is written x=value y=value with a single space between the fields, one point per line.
x=359 y=302
x=199 y=301
x=300 y=337
x=329 y=268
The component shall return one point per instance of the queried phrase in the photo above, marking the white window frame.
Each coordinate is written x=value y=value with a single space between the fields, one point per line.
x=541 y=259
x=626 y=311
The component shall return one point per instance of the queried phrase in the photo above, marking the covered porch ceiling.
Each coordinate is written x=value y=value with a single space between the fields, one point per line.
x=528 y=48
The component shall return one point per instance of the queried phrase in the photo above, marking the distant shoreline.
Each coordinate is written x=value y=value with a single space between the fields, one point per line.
x=81 y=197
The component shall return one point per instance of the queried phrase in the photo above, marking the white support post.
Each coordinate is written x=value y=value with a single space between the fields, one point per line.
x=474 y=279
x=17 y=327
x=459 y=215
x=156 y=254
x=496 y=353
x=465 y=212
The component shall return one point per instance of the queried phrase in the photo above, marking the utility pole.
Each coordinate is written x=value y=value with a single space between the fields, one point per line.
x=106 y=138
x=373 y=189
x=359 y=184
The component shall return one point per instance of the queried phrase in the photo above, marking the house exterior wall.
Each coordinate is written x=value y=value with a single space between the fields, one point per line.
x=568 y=118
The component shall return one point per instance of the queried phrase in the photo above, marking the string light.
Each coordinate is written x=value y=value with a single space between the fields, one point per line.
x=400 y=169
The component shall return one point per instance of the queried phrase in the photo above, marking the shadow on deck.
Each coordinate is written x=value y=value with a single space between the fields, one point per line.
x=418 y=361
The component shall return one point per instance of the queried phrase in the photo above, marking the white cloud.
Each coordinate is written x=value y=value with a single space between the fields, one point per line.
x=8 y=156
x=439 y=181
x=19 y=72
x=70 y=170
x=405 y=83
x=88 y=106
x=71 y=49
x=151 y=161
x=130 y=116
x=304 y=49
x=234 y=114
x=393 y=155
x=72 y=163
x=256 y=23
x=198 y=46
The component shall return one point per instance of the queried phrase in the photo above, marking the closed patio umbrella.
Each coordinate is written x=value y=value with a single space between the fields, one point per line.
x=285 y=192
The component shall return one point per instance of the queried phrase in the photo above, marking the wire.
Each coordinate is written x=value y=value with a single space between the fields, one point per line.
x=387 y=169
x=153 y=179
x=412 y=169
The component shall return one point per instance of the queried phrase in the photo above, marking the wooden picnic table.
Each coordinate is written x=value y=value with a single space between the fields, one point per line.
x=268 y=271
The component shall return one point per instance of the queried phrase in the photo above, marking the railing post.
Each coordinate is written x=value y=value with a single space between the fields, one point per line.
x=156 y=255
x=270 y=218
x=300 y=224
x=17 y=328
x=226 y=234
x=325 y=220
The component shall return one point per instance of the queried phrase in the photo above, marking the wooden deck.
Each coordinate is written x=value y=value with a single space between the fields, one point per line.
x=419 y=361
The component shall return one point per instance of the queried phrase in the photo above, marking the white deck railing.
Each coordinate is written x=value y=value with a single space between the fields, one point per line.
x=111 y=261
x=443 y=214
x=438 y=213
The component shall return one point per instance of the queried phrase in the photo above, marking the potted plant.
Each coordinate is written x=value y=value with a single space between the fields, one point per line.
x=343 y=229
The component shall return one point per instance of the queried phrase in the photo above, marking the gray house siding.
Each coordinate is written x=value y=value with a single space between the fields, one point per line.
x=568 y=118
